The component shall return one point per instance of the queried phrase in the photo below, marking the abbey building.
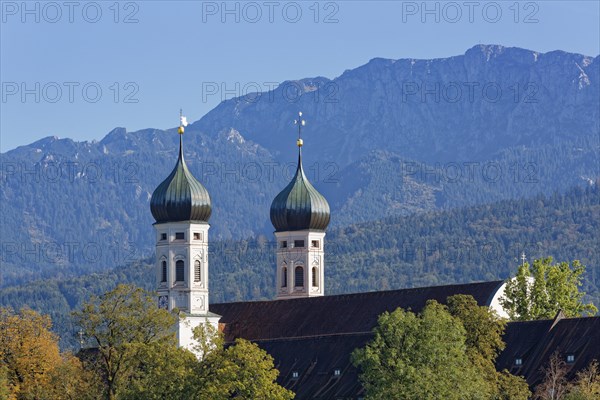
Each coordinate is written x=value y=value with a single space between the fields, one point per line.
x=311 y=335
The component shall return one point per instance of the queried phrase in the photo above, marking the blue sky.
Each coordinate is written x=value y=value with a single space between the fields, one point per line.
x=80 y=69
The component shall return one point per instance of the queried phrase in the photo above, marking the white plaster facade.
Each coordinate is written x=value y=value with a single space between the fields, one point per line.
x=182 y=275
x=300 y=253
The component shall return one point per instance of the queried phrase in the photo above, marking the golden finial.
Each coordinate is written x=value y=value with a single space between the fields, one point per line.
x=182 y=122
x=300 y=122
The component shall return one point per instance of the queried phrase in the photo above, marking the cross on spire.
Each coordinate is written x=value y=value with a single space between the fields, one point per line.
x=300 y=122
x=182 y=122
x=523 y=258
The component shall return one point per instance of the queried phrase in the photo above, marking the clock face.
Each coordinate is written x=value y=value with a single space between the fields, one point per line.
x=163 y=302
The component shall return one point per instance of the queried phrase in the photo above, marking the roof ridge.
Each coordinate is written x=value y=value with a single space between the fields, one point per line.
x=373 y=292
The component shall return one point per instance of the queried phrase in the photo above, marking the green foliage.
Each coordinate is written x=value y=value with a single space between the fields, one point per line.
x=442 y=353
x=541 y=290
x=161 y=370
x=240 y=370
x=484 y=330
x=587 y=384
x=243 y=371
x=118 y=325
x=418 y=357
x=511 y=387
x=137 y=356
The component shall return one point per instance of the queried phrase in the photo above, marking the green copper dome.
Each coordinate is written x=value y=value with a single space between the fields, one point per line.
x=180 y=197
x=299 y=206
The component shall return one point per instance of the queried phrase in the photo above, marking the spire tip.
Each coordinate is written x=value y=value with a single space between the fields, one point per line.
x=300 y=122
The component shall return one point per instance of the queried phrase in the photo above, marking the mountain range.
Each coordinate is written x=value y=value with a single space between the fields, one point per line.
x=389 y=138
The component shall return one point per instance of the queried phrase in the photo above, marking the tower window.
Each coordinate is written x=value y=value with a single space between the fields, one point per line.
x=518 y=361
x=298 y=243
x=163 y=271
x=570 y=358
x=284 y=244
x=163 y=236
x=337 y=372
x=179 y=236
x=295 y=375
x=284 y=277
x=299 y=277
x=315 y=281
x=197 y=273
x=315 y=244
x=197 y=236
x=179 y=271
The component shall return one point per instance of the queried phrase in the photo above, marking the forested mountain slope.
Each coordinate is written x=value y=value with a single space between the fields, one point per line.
x=457 y=246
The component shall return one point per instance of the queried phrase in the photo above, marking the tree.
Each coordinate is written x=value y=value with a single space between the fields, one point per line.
x=70 y=381
x=587 y=384
x=31 y=366
x=511 y=387
x=162 y=370
x=241 y=370
x=117 y=325
x=484 y=330
x=541 y=290
x=5 y=392
x=555 y=385
x=418 y=357
x=28 y=350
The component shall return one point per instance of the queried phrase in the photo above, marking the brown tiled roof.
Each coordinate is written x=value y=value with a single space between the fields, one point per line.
x=314 y=337
x=534 y=342
x=326 y=315
x=315 y=360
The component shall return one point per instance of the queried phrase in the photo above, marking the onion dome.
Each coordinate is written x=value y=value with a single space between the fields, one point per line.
x=180 y=197
x=299 y=206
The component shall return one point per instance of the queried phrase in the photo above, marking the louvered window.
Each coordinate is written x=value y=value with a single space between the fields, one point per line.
x=179 y=271
x=197 y=273
x=299 y=277
x=164 y=272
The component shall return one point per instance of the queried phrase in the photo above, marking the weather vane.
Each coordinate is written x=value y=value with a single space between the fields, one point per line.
x=300 y=122
x=182 y=122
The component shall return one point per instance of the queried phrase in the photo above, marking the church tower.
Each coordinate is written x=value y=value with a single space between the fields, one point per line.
x=181 y=207
x=300 y=216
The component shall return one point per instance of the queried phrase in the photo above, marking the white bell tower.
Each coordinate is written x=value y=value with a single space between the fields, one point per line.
x=300 y=215
x=182 y=272
x=181 y=207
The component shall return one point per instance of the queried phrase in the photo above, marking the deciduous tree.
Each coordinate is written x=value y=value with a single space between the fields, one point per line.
x=418 y=357
x=116 y=325
x=240 y=370
x=31 y=366
x=484 y=330
x=539 y=291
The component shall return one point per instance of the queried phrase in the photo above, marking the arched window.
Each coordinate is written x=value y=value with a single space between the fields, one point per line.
x=179 y=271
x=197 y=274
x=284 y=277
x=299 y=277
x=314 y=276
x=163 y=271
